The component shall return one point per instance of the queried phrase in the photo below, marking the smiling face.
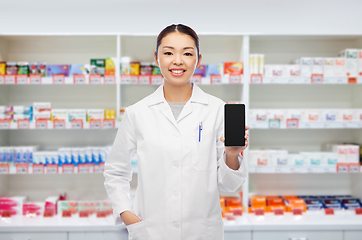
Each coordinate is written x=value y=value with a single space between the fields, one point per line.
x=177 y=58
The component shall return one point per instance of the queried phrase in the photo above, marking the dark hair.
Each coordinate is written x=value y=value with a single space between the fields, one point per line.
x=182 y=29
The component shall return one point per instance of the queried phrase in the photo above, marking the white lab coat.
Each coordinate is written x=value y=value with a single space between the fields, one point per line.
x=178 y=177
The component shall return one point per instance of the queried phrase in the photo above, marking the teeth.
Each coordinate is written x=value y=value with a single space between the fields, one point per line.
x=177 y=71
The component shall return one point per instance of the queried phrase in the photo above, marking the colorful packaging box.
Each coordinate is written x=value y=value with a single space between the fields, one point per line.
x=77 y=114
x=60 y=114
x=2 y=68
x=14 y=204
x=23 y=68
x=156 y=70
x=110 y=67
x=235 y=68
x=273 y=71
x=201 y=70
x=77 y=69
x=329 y=67
x=135 y=68
x=69 y=206
x=110 y=114
x=33 y=209
x=11 y=68
x=214 y=69
x=40 y=107
x=306 y=67
x=58 y=70
x=328 y=115
x=38 y=68
x=295 y=160
x=98 y=66
x=23 y=109
x=318 y=66
x=359 y=63
x=351 y=56
x=311 y=115
x=258 y=158
x=93 y=114
x=340 y=67
x=276 y=114
x=43 y=115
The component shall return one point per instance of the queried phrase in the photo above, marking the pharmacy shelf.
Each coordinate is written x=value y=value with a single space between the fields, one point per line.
x=296 y=169
x=59 y=81
x=54 y=169
x=306 y=125
x=306 y=80
x=50 y=125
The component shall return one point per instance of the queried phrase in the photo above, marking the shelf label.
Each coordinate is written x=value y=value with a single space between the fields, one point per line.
x=2 y=79
x=58 y=79
x=41 y=124
x=83 y=168
x=22 y=79
x=317 y=78
x=342 y=168
x=108 y=123
x=38 y=168
x=156 y=79
x=329 y=211
x=52 y=168
x=4 y=168
x=216 y=79
x=278 y=211
x=342 y=80
x=95 y=79
x=59 y=124
x=68 y=168
x=125 y=79
x=144 y=79
x=101 y=214
x=83 y=214
x=79 y=79
x=48 y=213
x=234 y=79
x=109 y=79
x=4 y=124
x=297 y=211
x=99 y=168
x=259 y=211
x=358 y=211
x=274 y=123
x=293 y=123
x=95 y=124
x=35 y=79
x=23 y=124
x=6 y=213
x=256 y=78
x=77 y=124
x=196 y=79
x=66 y=214
x=10 y=79
x=22 y=168
x=352 y=80
x=134 y=79
x=354 y=167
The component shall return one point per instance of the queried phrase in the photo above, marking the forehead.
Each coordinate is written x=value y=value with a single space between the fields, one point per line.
x=178 y=40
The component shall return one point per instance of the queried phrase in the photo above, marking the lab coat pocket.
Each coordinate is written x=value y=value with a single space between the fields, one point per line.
x=215 y=229
x=136 y=231
x=204 y=157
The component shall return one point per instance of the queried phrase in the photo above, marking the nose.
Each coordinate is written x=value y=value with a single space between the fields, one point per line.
x=178 y=59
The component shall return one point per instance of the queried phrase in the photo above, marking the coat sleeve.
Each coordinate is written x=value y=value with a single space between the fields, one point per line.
x=118 y=171
x=229 y=180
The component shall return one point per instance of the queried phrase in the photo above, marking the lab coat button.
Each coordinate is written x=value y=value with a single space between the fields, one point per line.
x=176 y=225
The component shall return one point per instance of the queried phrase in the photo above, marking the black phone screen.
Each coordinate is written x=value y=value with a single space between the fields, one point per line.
x=234 y=125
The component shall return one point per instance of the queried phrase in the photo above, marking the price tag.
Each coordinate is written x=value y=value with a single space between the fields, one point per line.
x=310 y=169
x=292 y=123
x=259 y=211
x=109 y=79
x=342 y=168
x=41 y=124
x=35 y=79
x=10 y=79
x=77 y=124
x=2 y=79
x=274 y=123
x=52 y=168
x=125 y=79
x=95 y=79
x=4 y=168
x=59 y=124
x=83 y=214
x=256 y=78
x=66 y=214
x=4 y=124
x=108 y=123
x=216 y=79
x=297 y=211
x=156 y=79
x=329 y=211
x=6 y=213
x=234 y=79
x=68 y=168
x=354 y=168
x=22 y=168
x=95 y=124
x=317 y=78
x=291 y=80
x=79 y=79
x=38 y=168
x=48 y=213
x=144 y=79
x=278 y=211
x=358 y=211
x=99 y=168
x=342 y=80
x=83 y=168
x=101 y=214
x=58 y=79
x=352 y=80
x=134 y=79
x=22 y=79
x=23 y=124
x=196 y=79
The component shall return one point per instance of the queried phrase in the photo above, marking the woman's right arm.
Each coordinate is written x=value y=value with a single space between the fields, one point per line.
x=118 y=171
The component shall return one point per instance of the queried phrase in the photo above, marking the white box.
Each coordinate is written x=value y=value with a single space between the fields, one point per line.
x=353 y=154
x=60 y=114
x=329 y=67
x=273 y=70
x=342 y=151
x=16 y=203
x=345 y=115
x=328 y=115
x=294 y=114
x=311 y=115
x=339 y=67
x=261 y=64
x=23 y=109
x=21 y=116
x=351 y=56
x=306 y=67
x=278 y=157
x=251 y=64
x=77 y=114
x=295 y=160
x=256 y=63
x=93 y=114
x=40 y=107
x=276 y=114
x=318 y=65
x=258 y=158
x=43 y=115
x=294 y=70
x=329 y=158
x=312 y=158
x=258 y=115
x=358 y=115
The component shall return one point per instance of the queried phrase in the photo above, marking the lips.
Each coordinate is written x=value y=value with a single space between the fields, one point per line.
x=177 y=72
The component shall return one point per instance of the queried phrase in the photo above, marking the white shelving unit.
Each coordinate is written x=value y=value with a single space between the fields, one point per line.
x=271 y=94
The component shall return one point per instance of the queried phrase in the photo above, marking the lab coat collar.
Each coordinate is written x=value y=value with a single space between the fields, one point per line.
x=198 y=96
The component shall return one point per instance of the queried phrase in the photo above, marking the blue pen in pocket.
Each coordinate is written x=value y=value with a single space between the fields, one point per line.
x=200 y=128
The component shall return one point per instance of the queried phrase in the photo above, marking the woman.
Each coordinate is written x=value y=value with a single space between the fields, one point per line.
x=179 y=172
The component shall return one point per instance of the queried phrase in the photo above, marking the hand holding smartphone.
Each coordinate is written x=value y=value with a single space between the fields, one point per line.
x=234 y=125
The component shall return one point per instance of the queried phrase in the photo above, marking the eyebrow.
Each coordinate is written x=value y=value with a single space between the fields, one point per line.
x=174 y=48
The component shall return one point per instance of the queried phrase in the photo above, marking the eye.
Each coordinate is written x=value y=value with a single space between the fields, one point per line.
x=168 y=53
x=188 y=54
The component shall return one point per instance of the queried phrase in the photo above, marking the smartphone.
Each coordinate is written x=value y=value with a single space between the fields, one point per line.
x=234 y=125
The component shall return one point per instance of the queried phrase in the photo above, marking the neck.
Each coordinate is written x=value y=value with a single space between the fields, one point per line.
x=177 y=93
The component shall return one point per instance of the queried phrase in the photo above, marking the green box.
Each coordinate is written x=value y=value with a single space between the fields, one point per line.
x=98 y=66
